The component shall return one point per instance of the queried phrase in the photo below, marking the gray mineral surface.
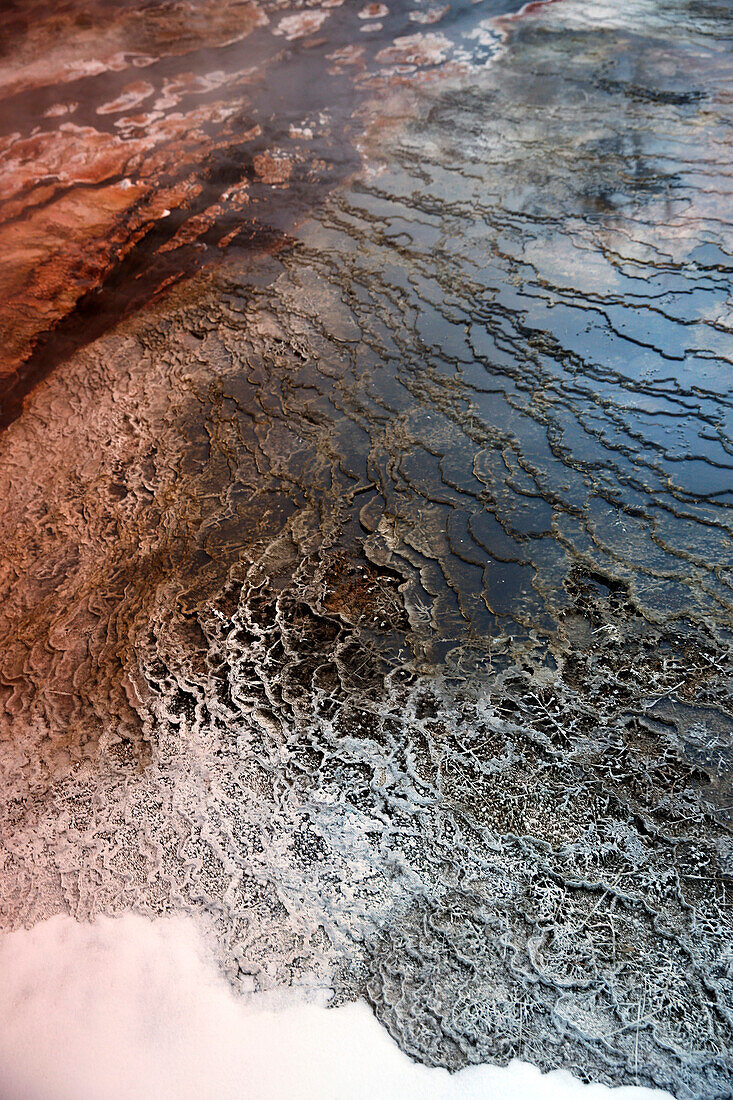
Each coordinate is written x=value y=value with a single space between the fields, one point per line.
x=370 y=598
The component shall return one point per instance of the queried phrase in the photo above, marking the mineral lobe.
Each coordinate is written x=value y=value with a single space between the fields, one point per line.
x=368 y=595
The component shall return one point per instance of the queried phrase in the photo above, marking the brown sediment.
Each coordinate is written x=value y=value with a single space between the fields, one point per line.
x=374 y=11
x=50 y=257
x=361 y=594
x=132 y=95
x=46 y=47
x=70 y=155
x=77 y=201
x=82 y=649
x=273 y=167
x=135 y=281
x=108 y=194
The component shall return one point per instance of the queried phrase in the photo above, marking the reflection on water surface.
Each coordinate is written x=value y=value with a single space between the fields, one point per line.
x=370 y=594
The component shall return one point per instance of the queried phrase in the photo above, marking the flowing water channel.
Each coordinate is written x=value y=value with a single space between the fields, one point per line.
x=367 y=470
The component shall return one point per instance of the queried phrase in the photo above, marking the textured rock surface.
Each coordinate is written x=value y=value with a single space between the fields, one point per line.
x=138 y=141
x=373 y=600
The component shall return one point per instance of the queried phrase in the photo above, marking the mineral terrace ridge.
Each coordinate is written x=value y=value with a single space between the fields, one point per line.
x=366 y=587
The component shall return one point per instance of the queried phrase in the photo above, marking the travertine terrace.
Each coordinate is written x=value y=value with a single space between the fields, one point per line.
x=367 y=478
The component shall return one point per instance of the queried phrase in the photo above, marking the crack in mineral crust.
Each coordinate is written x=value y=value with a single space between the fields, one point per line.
x=372 y=601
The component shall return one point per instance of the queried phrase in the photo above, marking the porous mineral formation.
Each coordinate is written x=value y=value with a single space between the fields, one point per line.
x=368 y=595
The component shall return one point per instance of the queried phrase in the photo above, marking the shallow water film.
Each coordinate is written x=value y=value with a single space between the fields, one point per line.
x=367 y=490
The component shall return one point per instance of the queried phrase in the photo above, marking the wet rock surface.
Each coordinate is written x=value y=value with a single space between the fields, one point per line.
x=372 y=600
x=139 y=141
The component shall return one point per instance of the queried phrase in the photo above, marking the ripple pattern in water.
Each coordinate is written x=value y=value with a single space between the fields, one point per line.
x=373 y=601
